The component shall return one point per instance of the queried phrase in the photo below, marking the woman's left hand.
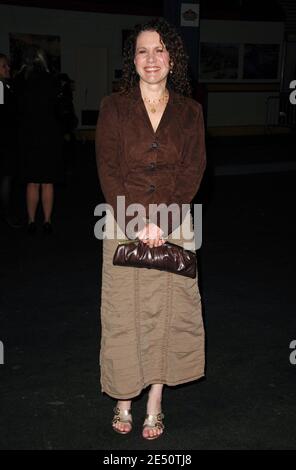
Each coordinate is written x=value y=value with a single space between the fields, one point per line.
x=151 y=235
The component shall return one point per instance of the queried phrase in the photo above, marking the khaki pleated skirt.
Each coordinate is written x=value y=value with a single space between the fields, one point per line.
x=152 y=327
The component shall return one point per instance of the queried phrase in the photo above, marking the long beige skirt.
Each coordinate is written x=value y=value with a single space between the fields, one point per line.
x=152 y=327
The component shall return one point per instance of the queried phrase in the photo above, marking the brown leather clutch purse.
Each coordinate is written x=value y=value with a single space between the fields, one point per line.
x=167 y=257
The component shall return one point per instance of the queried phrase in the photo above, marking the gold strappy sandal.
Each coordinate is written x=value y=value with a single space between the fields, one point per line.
x=122 y=416
x=154 y=421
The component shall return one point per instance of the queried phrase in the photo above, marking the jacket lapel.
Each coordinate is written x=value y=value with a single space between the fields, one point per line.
x=138 y=112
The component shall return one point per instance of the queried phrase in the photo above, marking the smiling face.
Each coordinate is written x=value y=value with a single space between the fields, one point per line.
x=4 y=69
x=152 y=60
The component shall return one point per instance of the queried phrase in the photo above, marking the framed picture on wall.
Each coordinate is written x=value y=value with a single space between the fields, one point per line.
x=219 y=61
x=51 y=45
x=261 y=61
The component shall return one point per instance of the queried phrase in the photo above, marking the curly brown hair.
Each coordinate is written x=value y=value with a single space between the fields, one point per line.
x=178 y=80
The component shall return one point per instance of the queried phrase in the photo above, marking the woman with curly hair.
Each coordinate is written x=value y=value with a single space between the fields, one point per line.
x=150 y=149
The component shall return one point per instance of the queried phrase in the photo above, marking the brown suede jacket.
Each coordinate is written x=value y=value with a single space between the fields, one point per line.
x=150 y=167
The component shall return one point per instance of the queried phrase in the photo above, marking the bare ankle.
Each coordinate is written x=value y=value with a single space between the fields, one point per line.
x=153 y=404
x=124 y=404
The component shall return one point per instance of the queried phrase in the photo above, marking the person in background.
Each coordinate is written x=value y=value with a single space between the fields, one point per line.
x=39 y=135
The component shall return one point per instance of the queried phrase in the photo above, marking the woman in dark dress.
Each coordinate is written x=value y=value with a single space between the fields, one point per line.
x=39 y=134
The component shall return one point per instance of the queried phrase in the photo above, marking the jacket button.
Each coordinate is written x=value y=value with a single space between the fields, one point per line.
x=152 y=166
x=154 y=145
x=152 y=188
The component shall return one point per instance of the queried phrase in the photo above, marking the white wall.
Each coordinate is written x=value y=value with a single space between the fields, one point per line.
x=240 y=108
x=258 y=32
x=94 y=31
